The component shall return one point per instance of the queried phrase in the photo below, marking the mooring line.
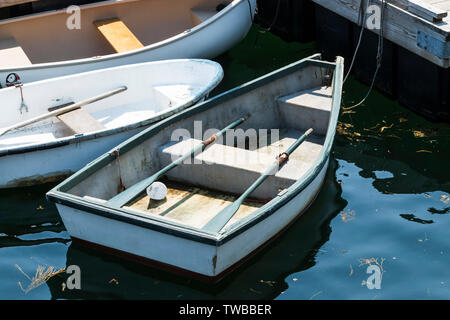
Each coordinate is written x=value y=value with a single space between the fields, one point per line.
x=379 y=56
x=275 y=18
x=361 y=20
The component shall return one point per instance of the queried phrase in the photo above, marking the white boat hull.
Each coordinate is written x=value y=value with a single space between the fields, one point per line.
x=46 y=151
x=176 y=233
x=189 y=257
x=42 y=166
x=208 y=40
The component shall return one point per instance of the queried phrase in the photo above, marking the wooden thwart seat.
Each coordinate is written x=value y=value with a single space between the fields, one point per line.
x=80 y=121
x=12 y=54
x=118 y=35
x=307 y=109
x=234 y=169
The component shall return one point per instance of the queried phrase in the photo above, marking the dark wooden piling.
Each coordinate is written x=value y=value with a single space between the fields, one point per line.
x=294 y=21
x=333 y=35
x=423 y=86
x=366 y=63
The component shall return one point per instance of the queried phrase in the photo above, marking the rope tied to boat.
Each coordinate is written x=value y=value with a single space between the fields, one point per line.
x=23 y=105
x=282 y=157
x=250 y=9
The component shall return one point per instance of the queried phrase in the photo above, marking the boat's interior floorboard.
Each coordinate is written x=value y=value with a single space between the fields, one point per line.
x=191 y=205
x=194 y=203
x=12 y=54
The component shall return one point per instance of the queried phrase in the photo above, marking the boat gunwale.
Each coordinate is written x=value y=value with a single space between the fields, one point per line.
x=77 y=138
x=183 y=34
x=58 y=194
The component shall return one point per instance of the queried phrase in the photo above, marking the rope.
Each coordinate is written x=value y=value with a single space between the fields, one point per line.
x=277 y=12
x=23 y=104
x=362 y=15
x=379 y=54
x=250 y=9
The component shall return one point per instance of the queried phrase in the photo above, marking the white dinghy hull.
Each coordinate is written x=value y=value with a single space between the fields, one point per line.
x=213 y=36
x=171 y=253
x=49 y=150
x=171 y=234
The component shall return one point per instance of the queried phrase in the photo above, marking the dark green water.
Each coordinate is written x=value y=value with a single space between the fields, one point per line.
x=385 y=199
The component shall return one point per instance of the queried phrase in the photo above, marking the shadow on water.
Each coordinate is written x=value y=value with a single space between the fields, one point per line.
x=400 y=150
x=262 y=277
x=25 y=212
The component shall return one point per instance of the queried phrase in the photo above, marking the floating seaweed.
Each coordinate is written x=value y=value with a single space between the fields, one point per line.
x=41 y=276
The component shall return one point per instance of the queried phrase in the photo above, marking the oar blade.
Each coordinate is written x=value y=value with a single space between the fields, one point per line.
x=221 y=219
x=132 y=192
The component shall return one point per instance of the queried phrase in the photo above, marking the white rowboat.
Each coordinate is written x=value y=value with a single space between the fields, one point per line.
x=118 y=32
x=180 y=233
x=131 y=98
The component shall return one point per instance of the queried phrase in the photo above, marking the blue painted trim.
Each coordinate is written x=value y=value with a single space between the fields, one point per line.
x=433 y=45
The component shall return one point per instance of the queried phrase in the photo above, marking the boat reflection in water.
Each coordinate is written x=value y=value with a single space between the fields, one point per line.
x=262 y=277
x=26 y=219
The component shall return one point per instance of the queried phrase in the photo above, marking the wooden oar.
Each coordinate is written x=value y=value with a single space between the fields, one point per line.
x=132 y=192
x=63 y=110
x=221 y=219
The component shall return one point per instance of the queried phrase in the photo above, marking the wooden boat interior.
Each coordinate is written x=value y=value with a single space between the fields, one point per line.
x=146 y=97
x=106 y=28
x=279 y=113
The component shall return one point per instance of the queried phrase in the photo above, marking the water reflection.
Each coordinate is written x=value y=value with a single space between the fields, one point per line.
x=25 y=212
x=401 y=151
x=263 y=277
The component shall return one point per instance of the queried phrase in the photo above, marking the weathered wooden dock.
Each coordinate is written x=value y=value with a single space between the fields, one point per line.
x=422 y=27
x=415 y=66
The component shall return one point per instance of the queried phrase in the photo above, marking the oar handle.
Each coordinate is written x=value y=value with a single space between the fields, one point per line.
x=214 y=137
x=64 y=110
x=299 y=141
x=208 y=141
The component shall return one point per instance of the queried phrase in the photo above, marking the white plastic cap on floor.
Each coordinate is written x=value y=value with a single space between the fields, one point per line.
x=157 y=191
